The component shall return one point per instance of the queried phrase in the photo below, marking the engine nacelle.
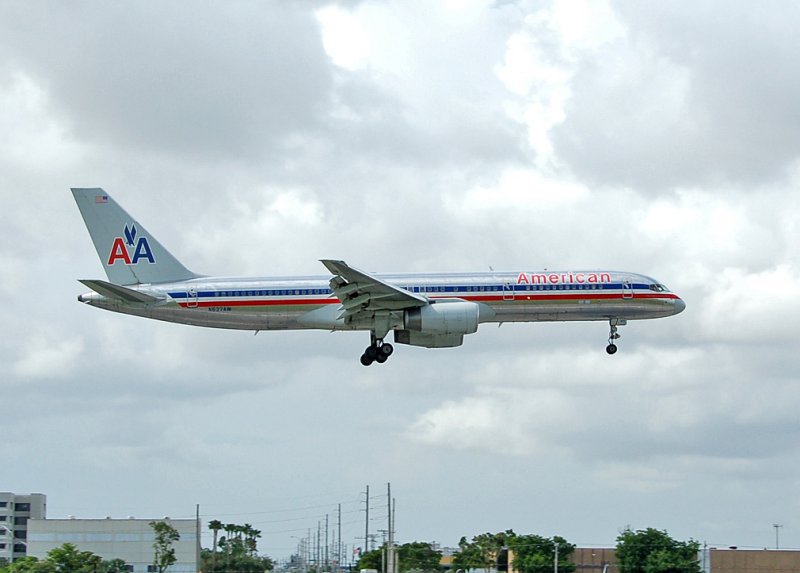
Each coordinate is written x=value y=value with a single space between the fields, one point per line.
x=458 y=317
x=426 y=340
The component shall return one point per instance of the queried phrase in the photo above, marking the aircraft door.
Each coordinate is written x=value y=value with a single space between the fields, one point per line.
x=508 y=291
x=191 y=298
x=627 y=289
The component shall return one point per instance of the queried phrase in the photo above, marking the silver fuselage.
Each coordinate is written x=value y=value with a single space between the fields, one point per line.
x=303 y=302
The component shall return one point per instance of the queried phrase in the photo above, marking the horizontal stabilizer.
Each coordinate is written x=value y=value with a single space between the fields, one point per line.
x=111 y=290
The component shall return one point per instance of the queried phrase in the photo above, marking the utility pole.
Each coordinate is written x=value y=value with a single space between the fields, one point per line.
x=366 y=526
x=339 y=546
x=777 y=527
x=198 y=547
x=390 y=554
x=555 y=561
x=319 y=533
x=396 y=558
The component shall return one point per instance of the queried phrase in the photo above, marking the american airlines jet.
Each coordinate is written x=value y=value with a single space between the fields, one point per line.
x=433 y=310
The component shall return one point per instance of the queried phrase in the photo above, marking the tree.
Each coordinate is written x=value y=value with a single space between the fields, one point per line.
x=66 y=559
x=370 y=560
x=69 y=559
x=114 y=566
x=238 y=563
x=251 y=539
x=418 y=556
x=537 y=554
x=414 y=556
x=163 y=551
x=654 y=551
x=240 y=545
x=28 y=565
x=214 y=525
x=483 y=551
x=468 y=556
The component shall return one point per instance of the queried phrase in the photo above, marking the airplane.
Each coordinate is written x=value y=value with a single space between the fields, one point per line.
x=432 y=310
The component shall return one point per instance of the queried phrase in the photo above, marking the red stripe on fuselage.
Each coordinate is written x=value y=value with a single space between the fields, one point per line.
x=528 y=296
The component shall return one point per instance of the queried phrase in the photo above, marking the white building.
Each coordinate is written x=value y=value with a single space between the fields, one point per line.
x=128 y=539
x=15 y=511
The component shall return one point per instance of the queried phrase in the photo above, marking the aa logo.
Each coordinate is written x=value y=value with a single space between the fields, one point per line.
x=122 y=247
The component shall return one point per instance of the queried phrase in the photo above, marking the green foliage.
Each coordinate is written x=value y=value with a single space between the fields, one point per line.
x=414 y=556
x=28 y=565
x=654 y=551
x=370 y=560
x=468 y=557
x=70 y=559
x=66 y=559
x=163 y=551
x=536 y=554
x=114 y=566
x=482 y=551
x=238 y=563
x=214 y=525
x=236 y=551
x=418 y=556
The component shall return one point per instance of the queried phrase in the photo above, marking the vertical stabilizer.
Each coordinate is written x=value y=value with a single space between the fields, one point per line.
x=129 y=253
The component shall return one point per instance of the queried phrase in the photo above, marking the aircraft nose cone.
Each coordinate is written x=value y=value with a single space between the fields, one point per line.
x=679 y=305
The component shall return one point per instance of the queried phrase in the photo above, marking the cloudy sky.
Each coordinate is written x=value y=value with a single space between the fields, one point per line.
x=416 y=135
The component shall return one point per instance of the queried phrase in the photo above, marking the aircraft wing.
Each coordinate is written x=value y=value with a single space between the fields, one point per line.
x=361 y=292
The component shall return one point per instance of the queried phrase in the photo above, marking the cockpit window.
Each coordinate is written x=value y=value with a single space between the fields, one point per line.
x=658 y=288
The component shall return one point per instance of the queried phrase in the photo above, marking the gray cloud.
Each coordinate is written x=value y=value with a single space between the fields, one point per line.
x=222 y=82
x=691 y=95
x=233 y=135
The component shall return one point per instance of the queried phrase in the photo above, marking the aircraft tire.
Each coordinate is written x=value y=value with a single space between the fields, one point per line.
x=371 y=352
x=386 y=349
x=611 y=348
x=381 y=358
x=366 y=360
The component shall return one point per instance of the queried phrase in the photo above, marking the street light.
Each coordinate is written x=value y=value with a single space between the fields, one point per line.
x=777 y=527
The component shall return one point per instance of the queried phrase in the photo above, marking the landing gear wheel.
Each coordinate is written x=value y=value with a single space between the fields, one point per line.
x=377 y=351
x=613 y=334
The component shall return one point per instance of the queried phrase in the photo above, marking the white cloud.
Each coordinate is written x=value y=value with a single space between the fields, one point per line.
x=758 y=307
x=517 y=189
x=49 y=356
x=33 y=136
x=345 y=38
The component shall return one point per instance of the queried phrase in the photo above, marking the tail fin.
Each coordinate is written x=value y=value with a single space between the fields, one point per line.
x=130 y=255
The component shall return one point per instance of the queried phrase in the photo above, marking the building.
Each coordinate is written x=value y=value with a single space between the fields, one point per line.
x=128 y=539
x=15 y=511
x=746 y=560
x=711 y=560
x=594 y=560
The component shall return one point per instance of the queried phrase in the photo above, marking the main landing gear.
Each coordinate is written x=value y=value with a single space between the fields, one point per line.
x=378 y=351
x=613 y=334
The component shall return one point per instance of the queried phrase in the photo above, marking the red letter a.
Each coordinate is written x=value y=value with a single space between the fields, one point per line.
x=118 y=251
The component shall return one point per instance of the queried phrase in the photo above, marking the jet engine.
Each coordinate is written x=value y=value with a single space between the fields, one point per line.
x=458 y=317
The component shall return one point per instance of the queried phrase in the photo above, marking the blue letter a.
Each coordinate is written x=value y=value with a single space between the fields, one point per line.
x=143 y=250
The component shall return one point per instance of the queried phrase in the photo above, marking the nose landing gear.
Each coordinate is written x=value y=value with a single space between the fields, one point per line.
x=613 y=334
